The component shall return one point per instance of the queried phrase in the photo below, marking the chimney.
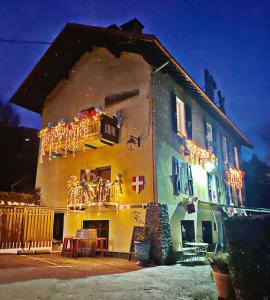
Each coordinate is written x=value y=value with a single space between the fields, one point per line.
x=210 y=85
x=221 y=102
x=133 y=26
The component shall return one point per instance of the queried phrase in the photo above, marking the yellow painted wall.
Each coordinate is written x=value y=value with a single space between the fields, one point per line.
x=121 y=225
x=96 y=75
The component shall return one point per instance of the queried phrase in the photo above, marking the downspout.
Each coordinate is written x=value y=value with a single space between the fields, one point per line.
x=215 y=220
x=151 y=106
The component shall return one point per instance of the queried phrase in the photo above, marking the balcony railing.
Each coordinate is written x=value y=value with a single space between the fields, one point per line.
x=64 y=139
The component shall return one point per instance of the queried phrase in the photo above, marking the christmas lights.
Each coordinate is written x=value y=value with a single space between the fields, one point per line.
x=66 y=138
x=197 y=153
x=92 y=190
x=234 y=178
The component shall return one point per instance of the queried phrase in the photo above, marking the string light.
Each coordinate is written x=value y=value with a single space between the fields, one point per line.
x=234 y=178
x=198 y=153
x=92 y=190
x=67 y=137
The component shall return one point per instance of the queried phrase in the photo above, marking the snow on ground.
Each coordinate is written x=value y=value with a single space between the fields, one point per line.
x=163 y=282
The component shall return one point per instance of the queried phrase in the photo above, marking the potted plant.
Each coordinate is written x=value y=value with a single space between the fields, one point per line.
x=220 y=272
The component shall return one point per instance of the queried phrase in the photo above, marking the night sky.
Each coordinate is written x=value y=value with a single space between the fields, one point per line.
x=229 y=38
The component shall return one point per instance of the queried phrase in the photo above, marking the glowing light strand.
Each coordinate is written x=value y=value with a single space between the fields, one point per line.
x=234 y=178
x=92 y=190
x=67 y=137
x=198 y=153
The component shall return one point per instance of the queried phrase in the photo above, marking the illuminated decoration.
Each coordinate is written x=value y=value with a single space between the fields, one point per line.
x=197 y=153
x=64 y=139
x=234 y=178
x=93 y=190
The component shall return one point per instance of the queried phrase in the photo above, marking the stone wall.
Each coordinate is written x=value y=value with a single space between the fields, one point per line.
x=159 y=232
x=248 y=243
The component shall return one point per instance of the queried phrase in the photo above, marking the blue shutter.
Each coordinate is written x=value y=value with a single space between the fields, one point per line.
x=205 y=134
x=174 y=113
x=190 y=180
x=188 y=119
x=214 y=133
x=177 y=176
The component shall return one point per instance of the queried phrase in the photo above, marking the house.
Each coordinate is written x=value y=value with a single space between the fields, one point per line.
x=127 y=133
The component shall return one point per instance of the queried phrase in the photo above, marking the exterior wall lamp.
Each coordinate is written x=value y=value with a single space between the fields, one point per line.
x=133 y=141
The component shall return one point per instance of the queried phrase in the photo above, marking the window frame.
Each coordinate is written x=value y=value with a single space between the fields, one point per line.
x=225 y=149
x=180 y=117
x=236 y=157
x=209 y=136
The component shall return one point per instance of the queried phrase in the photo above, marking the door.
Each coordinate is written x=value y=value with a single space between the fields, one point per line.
x=207 y=232
x=58 y=226
x=188 y=233
x=102 y=227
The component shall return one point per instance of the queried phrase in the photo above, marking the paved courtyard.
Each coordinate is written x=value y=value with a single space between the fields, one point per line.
x=55 y=277
x=25 y=267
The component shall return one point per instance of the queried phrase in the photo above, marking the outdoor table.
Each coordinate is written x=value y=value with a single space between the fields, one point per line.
x=196 y=244
x=201 y=247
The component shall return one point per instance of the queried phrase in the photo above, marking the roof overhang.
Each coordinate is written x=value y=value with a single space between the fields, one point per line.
x=76 y=39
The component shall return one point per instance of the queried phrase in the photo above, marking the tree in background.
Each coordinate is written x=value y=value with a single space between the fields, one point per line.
x=257 y=183
x=8 y=115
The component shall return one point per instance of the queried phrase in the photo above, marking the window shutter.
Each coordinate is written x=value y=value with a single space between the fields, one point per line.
x=188 y=117
x=205 y=133
x=177 y=177
x=230 y=154
x=214 y=133
x=174 y=113
x=190 y=180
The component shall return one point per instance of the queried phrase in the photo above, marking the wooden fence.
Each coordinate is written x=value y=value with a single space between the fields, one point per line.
x=25 y=227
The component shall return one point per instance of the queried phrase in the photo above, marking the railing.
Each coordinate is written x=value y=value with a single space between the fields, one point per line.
x=25 y=227
x=64 y=139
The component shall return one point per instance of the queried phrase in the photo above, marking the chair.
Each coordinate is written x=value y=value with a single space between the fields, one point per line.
x=102 y=244
x=67 y=248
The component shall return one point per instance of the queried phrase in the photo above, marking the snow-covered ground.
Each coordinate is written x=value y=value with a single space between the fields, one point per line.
x=164 y=282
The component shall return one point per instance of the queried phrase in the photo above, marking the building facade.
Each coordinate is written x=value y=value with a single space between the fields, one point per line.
x=125 y=126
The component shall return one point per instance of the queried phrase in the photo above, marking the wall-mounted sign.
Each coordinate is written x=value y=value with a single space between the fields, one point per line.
x=138 y=183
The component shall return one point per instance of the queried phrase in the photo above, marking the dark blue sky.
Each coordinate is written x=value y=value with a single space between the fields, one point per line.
x=230 y=38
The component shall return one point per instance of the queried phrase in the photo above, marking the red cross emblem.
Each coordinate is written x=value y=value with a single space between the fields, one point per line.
x=138 y=183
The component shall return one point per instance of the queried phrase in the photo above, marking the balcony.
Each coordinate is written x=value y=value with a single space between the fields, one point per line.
x=90 y=131
x=91 y=190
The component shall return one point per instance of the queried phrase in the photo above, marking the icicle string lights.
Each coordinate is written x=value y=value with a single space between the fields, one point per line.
x=234 y=178
x=196 y=152
x=92 y=190
x=65 y=138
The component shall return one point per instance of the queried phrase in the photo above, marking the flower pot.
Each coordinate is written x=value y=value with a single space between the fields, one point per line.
x=223 y=284
x=142 y=252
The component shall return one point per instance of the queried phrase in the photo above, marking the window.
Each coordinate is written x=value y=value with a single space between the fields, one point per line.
x=180 y=113
x=212 y=187
x=224 y=149
x=99 y=179
x=235 y=150
x=183 y=181
x=209 y=135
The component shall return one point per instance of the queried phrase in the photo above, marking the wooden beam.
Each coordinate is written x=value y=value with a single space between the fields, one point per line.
x=119 y=97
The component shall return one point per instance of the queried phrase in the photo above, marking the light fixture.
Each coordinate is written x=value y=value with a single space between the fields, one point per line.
x=133 y=141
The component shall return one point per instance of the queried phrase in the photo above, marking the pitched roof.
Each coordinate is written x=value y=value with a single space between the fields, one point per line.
x=75 y=39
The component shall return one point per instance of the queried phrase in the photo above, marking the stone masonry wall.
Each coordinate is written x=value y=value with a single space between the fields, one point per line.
x=159 y=232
